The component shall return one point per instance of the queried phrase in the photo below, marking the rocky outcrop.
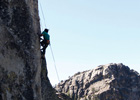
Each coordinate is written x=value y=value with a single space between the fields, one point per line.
x=106 y=82
x=23 y=74
x=19 y=50
x=48 y=92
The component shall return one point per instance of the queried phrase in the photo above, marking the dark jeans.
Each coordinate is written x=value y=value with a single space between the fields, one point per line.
x=44 y=44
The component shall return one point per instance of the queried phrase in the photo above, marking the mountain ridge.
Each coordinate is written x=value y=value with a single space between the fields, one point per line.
x=111 y=81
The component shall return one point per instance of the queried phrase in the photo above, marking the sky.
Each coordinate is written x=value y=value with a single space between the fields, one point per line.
x=88 y=33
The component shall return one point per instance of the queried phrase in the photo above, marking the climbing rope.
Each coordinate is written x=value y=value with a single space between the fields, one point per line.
x=42 y=14
x=54 y=63
x=50 y=45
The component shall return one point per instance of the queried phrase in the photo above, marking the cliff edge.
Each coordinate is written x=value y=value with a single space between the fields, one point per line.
x=23 y=74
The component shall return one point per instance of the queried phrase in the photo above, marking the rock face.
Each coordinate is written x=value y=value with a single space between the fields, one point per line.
x=106 y=82
x=19 y=45
x=23 y=75
x=48 y=92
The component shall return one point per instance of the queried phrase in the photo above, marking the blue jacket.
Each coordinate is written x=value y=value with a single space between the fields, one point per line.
x=46 y=35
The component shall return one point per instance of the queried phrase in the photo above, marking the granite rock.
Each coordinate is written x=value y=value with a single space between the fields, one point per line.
x=106 y=82
x=23 y=74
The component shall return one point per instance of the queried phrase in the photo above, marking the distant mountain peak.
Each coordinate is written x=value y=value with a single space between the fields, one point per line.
x=112 y=81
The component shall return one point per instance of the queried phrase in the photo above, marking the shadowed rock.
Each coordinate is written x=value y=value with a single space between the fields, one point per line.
x=19 y=50
x=23 y=74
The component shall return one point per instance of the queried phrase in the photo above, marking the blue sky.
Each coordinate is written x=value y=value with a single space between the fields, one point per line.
x=88 y=33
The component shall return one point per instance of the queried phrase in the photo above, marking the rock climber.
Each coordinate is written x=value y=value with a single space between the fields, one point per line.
x=45 y=42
